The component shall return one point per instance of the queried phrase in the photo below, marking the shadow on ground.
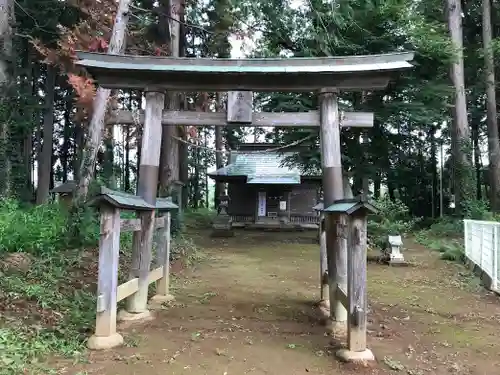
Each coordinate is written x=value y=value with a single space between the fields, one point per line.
x=248 y=309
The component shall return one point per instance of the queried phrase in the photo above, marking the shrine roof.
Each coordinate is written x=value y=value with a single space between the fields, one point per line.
x=258 y=74
x=261 y=167
x=65 y=187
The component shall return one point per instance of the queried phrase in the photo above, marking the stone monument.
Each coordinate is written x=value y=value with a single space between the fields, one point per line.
x=223 y=224
x=393 y=252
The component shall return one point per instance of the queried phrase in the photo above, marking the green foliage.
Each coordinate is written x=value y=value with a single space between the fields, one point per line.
x=199 y=219
x=392 y=218
x=49 y=307
x=446 y=234
x=44 y=229
x=440 y=238
x=37 y=230
x=55 y=315
x=478 y=210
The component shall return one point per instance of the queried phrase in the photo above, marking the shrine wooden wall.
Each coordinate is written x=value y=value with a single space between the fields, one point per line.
x=300 y=199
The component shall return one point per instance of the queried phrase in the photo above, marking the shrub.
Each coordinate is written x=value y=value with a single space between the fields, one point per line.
x=36 y=230
x=54 y=312
x=44 y=229
x=478 y=210
x=392 y=218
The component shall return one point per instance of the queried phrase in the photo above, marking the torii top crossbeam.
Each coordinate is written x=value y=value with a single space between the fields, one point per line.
x=350 y=73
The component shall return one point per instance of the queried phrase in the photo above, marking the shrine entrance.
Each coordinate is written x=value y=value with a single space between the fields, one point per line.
x=345 y=220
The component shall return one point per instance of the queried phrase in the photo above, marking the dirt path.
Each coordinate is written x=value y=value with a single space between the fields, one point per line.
x=247 y=309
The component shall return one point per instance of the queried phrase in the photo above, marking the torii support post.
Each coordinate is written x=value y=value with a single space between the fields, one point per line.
x=163 y=259
x=109 y=293
x=336 y=245
x=354 y=297
x=356 y=281
x=324 y=302
x=136 y=307
x=105 y=336
x=163 y=253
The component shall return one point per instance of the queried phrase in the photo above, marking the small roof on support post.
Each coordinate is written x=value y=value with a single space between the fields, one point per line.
x=165 y=204
x=65 y=188
x=367 y=72
x=350 y=206
x=127 y=201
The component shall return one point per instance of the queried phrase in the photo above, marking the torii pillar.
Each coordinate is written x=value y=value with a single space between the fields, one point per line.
x=334 y=188
x=136 y=306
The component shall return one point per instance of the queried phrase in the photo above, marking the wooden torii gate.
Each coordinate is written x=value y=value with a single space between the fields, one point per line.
x=327 y=76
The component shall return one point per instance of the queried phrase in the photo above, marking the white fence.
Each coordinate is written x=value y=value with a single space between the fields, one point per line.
x=482 y=244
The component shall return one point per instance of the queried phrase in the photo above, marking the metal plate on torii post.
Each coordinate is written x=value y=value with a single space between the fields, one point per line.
x=239 y=107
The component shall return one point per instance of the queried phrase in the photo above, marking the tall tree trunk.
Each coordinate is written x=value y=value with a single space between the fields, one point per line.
x=108 y=157
x=66 y=146
x=45 y=156
x=169 y=159
x=491 y=111
x=7 y=19
x=96 y=126
x=79 y=143
x=477 y=155
x=434 y=169
x=34 y=72
x=461 y=142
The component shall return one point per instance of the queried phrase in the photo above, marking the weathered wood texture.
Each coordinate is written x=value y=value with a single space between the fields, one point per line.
x=239 y=107
x=141 y=261
x=163 y=258
x=160 y=222
x=336 y=245
x=258 y=119
x=147 y=188
x=323 y=257
x=109 y=249
x=342 y=296
x=130 y=225
x=323 y=262
x=152 y=130
x=131 y=286
x=303 y=198
x=357 y=269
x=300 y=198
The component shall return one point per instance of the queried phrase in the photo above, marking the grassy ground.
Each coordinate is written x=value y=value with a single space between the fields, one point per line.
x=247 y=309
